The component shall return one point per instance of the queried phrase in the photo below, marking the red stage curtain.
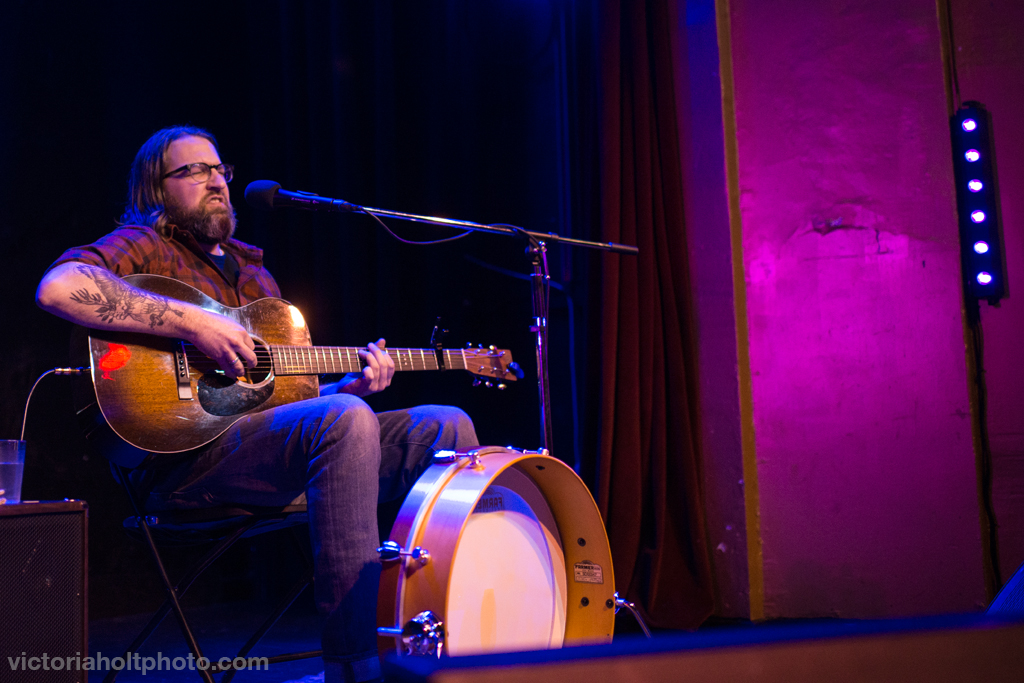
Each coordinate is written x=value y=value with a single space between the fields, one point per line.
x=648 y=486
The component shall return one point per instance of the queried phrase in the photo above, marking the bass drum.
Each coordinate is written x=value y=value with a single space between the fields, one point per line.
x=496 y=550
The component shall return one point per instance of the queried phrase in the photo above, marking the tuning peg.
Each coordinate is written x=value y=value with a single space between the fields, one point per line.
x=488 y=384
x=469 y=345
x=501 y=387
x=477 y=381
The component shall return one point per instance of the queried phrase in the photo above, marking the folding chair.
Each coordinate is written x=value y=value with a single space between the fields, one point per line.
x=223 y=527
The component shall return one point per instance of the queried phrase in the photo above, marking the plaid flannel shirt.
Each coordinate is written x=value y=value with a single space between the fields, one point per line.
x=134 y=249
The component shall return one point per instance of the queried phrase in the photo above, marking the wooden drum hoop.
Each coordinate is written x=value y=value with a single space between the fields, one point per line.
x=435 y=515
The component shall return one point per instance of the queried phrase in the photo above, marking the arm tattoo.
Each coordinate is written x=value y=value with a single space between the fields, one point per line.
x=116 y=300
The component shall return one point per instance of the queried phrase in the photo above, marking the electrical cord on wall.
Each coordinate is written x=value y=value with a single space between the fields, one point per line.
x=985 y=457
x=978 y=352
x=954 y=81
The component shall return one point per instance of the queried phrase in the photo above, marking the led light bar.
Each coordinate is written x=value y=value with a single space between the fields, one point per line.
x=977 y=203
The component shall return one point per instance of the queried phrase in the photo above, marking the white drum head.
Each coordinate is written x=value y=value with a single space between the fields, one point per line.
x=508 y=581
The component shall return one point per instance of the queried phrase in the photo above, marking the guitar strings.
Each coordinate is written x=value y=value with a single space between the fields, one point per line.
x=285 y=359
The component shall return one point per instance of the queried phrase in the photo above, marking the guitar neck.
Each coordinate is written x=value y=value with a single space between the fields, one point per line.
x=339 y=360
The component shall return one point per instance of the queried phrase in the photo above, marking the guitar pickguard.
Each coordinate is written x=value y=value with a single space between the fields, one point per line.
x=223 y=396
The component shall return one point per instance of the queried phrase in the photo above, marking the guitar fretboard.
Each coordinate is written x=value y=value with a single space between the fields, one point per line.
x=338 y=360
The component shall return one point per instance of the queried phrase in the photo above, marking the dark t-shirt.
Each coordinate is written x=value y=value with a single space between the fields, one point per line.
x=228 y=265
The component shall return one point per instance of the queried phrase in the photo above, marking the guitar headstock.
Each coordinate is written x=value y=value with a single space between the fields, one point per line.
x=491 y=364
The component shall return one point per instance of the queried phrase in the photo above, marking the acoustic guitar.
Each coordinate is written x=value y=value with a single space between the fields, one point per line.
x=162 y=395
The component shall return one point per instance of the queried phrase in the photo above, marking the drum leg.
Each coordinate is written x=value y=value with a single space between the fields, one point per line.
x=619 y=602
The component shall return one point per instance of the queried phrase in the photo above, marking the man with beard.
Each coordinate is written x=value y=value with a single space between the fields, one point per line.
x=179 y=223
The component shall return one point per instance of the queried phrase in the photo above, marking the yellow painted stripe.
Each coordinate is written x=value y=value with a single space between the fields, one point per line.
x=755 y=559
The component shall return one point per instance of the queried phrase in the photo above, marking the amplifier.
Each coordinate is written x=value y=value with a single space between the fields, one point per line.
x=44 y=592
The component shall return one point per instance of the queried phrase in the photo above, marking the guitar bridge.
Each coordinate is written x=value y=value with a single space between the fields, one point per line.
x=181 y=373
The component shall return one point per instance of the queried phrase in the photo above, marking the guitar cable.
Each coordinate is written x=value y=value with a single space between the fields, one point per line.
x=54 y=371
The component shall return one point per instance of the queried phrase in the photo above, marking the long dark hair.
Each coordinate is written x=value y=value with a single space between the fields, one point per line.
x=145 y=205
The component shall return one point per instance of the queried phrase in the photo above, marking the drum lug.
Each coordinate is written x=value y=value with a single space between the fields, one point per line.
x=391 y=551
x=422 y=635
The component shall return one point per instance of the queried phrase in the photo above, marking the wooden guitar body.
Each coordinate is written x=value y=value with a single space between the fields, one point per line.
x=155 y=395
x=135 y=376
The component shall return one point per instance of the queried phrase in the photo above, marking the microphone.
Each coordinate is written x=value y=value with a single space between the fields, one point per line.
x=267 y=195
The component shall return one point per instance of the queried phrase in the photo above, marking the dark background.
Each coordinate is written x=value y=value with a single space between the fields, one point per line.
x=476 y=110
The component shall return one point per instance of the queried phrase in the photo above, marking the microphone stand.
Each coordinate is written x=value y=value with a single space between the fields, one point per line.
x=540 y=280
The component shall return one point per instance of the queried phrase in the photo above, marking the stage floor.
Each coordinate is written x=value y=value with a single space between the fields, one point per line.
x=221 y=630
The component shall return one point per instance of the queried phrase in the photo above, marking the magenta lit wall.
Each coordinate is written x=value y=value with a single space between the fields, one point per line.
x=866 y=474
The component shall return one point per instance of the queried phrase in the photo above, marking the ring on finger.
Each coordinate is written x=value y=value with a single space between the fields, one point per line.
x=236 y=360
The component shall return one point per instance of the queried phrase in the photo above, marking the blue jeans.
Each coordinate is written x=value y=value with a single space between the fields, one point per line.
x=347 y=459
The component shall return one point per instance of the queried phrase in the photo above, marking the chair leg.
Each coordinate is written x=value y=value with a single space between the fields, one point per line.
x=289 y=600
x=172 y=595
x=302 y=541
x=183 y=585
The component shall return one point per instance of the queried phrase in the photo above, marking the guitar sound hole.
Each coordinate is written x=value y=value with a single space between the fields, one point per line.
x=257 y=375
x=264 y=365
x=223 y=395
x=204 y=366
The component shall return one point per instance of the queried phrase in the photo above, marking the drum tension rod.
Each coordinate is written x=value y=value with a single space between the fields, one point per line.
x=475 y=454
x=391 y=551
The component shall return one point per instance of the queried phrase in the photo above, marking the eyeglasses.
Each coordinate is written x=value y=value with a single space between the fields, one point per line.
x=200 y=172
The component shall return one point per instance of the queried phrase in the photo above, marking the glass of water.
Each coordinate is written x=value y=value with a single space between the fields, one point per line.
x=12 y=468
